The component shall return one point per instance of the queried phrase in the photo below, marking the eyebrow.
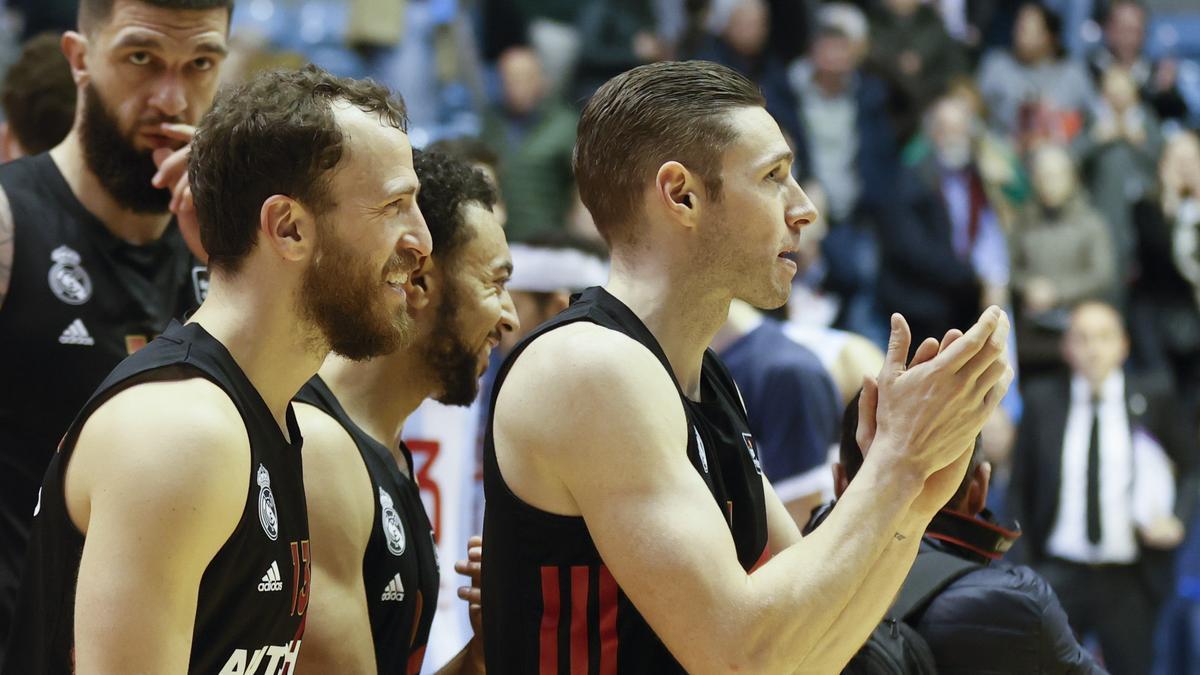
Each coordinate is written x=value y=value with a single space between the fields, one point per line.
x=784 y=155
x=143 y=41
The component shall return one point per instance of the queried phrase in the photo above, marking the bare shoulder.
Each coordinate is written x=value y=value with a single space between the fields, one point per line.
x=151 y=443
x=580 y=376
x=337 y=489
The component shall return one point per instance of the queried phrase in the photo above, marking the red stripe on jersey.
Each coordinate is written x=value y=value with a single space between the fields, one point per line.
x=415 y=659
x=762 y=559
x=548 y=641
x=579 y=622
x=608 y=623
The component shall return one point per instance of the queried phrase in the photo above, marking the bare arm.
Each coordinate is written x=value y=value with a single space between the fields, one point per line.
x=7 y=230
x=151 y=526
x=653 y=518
x=337 y=487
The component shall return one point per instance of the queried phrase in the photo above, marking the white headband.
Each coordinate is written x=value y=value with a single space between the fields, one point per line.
x=552 y=270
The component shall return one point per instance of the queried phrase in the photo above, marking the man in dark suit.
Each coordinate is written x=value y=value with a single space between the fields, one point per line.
x=1098 y=460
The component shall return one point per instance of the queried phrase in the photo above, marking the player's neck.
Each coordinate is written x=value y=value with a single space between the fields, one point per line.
x=135 y=228
x=682 y=315
x=742 y=319
x=374 y=396
x=256 y=323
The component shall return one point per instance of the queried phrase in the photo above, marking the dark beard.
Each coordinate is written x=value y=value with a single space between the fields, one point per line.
x=123 y=170
x=341 y=297
x=454 y=361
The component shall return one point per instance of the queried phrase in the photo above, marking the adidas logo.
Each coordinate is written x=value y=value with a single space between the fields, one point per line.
x=76 y=334
x=271 y=581
x=394 y=590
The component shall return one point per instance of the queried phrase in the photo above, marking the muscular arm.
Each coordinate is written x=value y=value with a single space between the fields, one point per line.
x=653 y=518
x=7 y=230
x=337 y=487
x=158 y=482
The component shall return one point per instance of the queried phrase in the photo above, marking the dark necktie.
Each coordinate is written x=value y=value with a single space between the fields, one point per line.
x=1093 y=477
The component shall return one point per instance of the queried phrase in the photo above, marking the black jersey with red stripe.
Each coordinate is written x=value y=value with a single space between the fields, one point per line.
x=400 y=570
x=550 y=605
x=252 y=598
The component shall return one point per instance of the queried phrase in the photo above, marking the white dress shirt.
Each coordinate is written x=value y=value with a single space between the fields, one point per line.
x=1068 y=538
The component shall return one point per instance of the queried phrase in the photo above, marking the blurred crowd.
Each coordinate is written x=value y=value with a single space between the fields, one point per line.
x=963 y=153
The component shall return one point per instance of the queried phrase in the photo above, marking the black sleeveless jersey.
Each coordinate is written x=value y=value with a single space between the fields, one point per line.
x=79 y=301
x=400 y=570
x=550 y=605
x=254 y=593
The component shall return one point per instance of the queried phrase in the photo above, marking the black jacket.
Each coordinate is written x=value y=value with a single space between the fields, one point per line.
x=1037 y=465
x=997 y=619
x=1000 y=618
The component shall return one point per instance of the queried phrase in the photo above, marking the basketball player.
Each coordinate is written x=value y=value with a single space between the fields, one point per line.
x=176 y=500
x=376 y=571
x=91 y=264
x=628 y=527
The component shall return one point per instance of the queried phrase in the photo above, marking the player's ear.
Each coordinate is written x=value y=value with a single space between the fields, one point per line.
x=677 y=190
x=421 y=284
x=74 y=47
x=288 y=228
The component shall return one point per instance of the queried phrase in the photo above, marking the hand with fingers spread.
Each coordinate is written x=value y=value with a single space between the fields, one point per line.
x=925 y=415
x=172 y=175
x=472 y=567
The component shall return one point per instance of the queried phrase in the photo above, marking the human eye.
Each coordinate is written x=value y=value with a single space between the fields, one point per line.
x=140 y=58
x=203 y=63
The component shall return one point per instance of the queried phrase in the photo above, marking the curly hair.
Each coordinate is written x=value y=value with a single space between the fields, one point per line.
x=448 y=184
x=274 y=135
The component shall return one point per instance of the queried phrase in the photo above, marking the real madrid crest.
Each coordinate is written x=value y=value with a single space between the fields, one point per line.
x=68 y=280
x=393 y=530
x=266 y=504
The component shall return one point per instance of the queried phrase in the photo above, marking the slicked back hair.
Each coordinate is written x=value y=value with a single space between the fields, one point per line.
x=447 y=185
x=274 y=135
x=94 y=13
x=645 y=117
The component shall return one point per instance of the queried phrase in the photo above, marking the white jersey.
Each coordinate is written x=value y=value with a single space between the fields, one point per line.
x=444 y=441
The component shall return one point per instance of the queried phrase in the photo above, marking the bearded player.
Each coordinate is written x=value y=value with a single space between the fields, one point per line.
x=628 y=527
x=375 y=570
x=171 y=533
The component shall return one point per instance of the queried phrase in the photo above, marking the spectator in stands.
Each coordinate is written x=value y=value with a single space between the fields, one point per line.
x=482 y=157
x=791 y=403
x=1033 y=92
x=997 y=617
x=1119 y=155
x=616 y=35
x=913 y=52
x=1165 y=307
x=739 y=40
x=944 y=254
x=848 y=145
x=534 y=135
x=38 y=96
x=1098 y=458
x=1123 y=46
x=1061 y=254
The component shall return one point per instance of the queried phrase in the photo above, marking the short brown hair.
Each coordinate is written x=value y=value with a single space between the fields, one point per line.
x=274 y=135
x=650 y=115
x=38 y=94
x=95 y=13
